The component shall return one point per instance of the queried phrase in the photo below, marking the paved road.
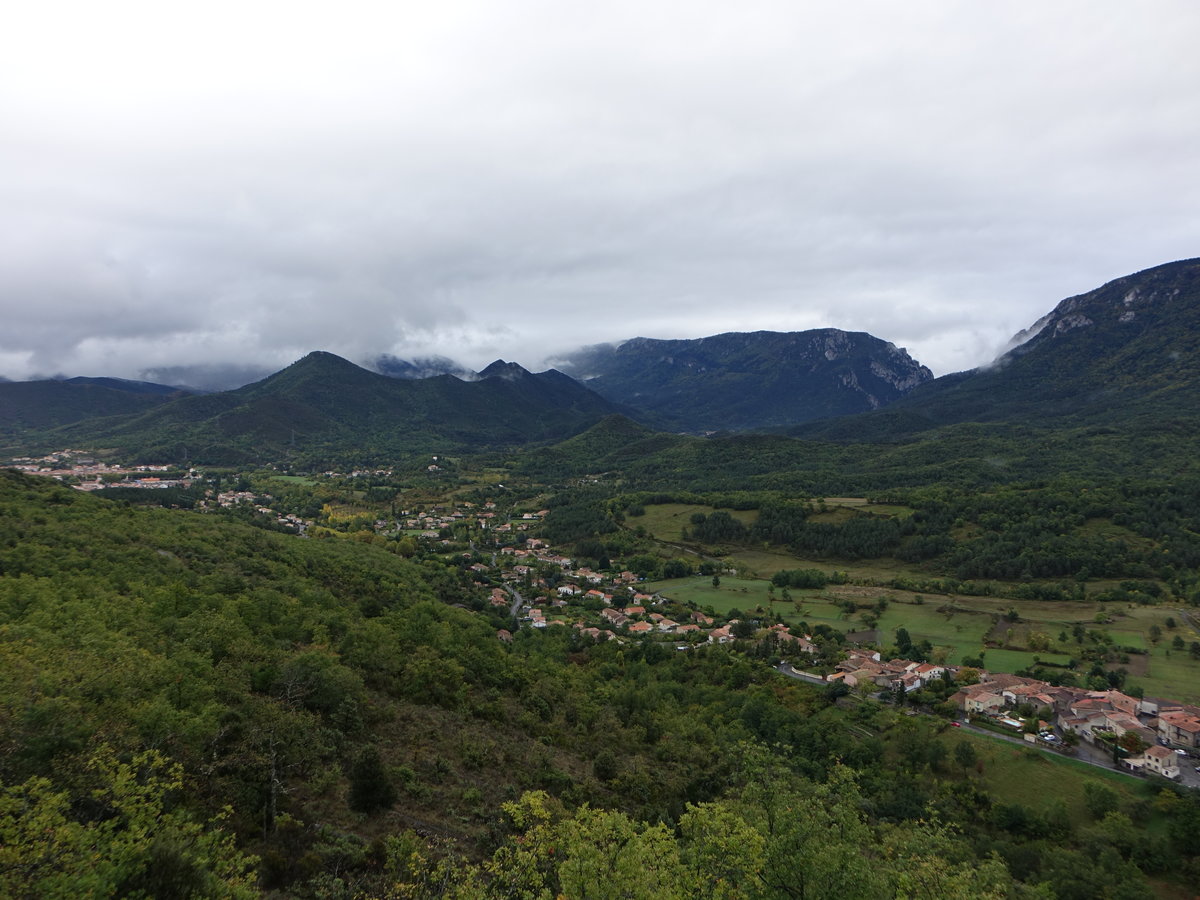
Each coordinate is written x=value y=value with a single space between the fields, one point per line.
x=786 y=669
x=518 y=602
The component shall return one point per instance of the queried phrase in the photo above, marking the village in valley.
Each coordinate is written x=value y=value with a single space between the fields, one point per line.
x=543 y=588
x=522 y=578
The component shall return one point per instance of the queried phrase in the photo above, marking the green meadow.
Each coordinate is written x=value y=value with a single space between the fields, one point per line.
x=960 y=626
x=666 y=521
x=1037 y=778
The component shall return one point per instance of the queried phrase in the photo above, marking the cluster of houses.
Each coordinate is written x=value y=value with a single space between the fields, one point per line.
x=1163 y=727
x=87 y=474
x=865 y=666
x=431 y=523
x=233 y=499
x=609 y=622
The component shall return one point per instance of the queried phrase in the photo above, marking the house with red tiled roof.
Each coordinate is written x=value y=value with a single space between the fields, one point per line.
x=1179 y=726
x=1157 y=760
x=614 y=616
x=978 y=698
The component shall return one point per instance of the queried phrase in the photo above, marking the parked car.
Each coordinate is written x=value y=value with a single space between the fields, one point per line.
x=959 y=725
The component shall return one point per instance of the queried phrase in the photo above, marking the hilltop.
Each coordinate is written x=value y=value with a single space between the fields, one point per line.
x=745 y=381
x=324 y=407
x=1126 y=353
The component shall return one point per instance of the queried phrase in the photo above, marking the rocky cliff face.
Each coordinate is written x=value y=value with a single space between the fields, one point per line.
x=1125 y=352
x=743 y=381
x=1164 y=296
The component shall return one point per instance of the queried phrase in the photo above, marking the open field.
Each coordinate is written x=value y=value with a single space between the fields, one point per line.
x=734 y=593
x=666 y=521
x=1037 y=779
x=958 y=626
x=864 y=505
x=765 y=563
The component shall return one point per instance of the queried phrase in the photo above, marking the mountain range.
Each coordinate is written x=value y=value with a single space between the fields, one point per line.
x=1129 y=350
x=1126 y=351
x=741 y=382
x=325 y=407
x=30 y=406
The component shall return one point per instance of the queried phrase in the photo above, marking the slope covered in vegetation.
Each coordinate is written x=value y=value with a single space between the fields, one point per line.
x=326 y=718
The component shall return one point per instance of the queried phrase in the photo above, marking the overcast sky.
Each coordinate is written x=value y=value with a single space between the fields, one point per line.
x=241 y=183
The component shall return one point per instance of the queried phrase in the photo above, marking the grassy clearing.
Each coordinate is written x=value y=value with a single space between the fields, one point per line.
x=1002 y=660
x=962 y=632
x=862 y=504
x=1104 y=528
x=734 y=593
x=1172 y=674
x=765 y=563
x=1036 y=778
x=666 y=521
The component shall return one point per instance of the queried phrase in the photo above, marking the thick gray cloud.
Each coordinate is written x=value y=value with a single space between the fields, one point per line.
x=238 y=184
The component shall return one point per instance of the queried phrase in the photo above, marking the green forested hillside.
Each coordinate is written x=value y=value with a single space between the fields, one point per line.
x=323 y=410
x=31 y=406
x=218 y=710
x=1126 y=353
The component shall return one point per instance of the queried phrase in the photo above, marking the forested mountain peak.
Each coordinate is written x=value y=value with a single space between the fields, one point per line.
x=509 y=371
x=1127 y=351
x=740 y=380
x=1166 y=295
x=326 y=407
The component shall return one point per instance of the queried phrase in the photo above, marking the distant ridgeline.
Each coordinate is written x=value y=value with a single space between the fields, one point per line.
x=31 y=406
x=1114 y=372
x=325 y=408
x=742 y=382
x=1126 y=353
